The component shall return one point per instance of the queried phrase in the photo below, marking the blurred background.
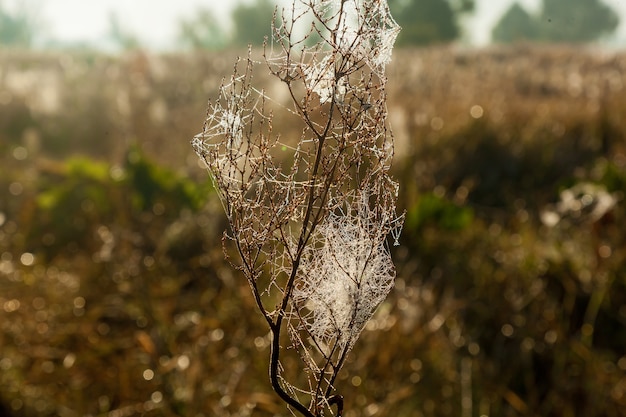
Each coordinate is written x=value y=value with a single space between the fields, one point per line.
x=115 y=300
x=115 y=25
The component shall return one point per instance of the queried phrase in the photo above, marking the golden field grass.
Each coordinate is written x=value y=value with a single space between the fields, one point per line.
x=115 y=299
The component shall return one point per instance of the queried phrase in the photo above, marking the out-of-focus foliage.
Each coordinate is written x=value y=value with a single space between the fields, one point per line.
x=202 y=31
x=576 y=20
x=251 y=22
x=82 y=194
x=250 y=27
x=17 y=29
x=428 y=21
x=434 y=210
x=44 y=96
x=515 y=25
x=558 y=21
x=121 y=36
x=115 y=298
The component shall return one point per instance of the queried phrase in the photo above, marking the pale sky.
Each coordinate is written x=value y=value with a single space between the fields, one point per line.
x=154 y=22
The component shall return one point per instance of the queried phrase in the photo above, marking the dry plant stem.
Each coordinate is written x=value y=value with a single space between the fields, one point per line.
x=310 y=220
x=276 y=326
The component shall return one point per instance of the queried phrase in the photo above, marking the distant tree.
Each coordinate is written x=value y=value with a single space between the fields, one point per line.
x=251 y=22
x=19 y=28
x=121 y=36
x=576 y=20
x=515 y=25
x=202 y=31
x=429 y=21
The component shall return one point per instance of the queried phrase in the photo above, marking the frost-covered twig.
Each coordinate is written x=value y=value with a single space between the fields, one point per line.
x=310 y=217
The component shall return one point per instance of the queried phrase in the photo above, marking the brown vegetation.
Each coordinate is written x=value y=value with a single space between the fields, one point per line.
x=115 y=300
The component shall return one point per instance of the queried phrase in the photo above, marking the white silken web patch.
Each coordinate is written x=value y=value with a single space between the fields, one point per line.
x=365 y=29
x=346 y=273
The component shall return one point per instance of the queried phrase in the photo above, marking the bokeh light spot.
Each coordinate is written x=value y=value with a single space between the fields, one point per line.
x=476 y=111
x=27 y=259
x=148 y=374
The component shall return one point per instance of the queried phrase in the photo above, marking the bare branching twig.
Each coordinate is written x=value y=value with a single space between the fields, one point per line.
x=310 y=217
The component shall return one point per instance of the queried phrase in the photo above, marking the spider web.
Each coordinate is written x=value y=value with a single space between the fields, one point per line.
x=365 y=29
x=346 y=273
x=319 y=213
